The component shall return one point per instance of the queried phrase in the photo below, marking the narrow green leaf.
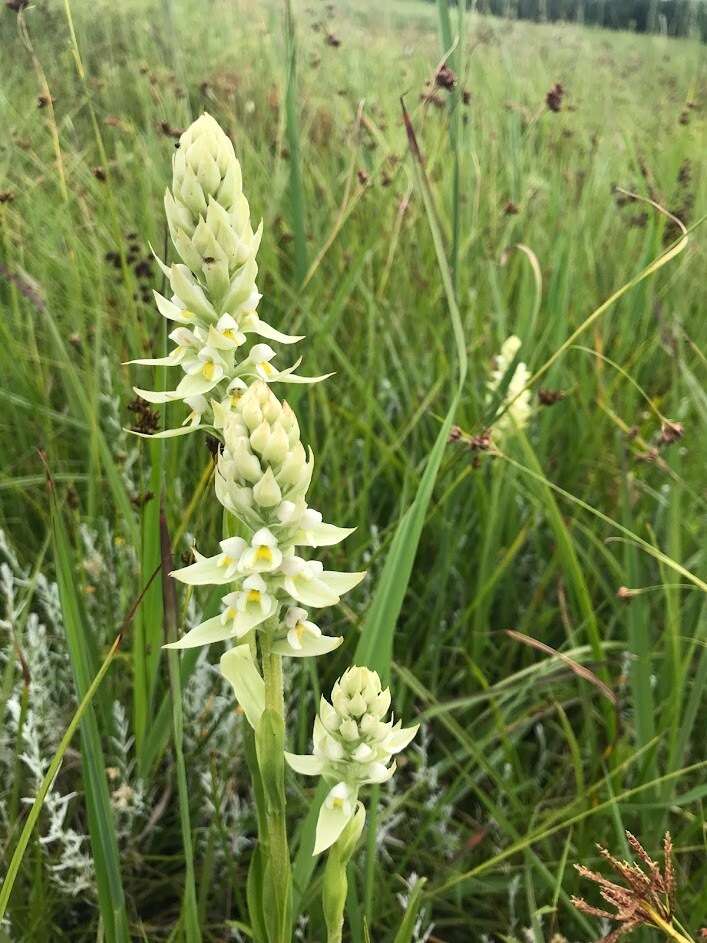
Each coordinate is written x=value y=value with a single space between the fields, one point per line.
x=190 y=907
x=49 y=777
x=104 y=843
x=407 y=927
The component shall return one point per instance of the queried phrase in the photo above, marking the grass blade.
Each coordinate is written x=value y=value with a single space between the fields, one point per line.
x=104 y=842
x=50 y=776
x=293 y=144
x=190 y=910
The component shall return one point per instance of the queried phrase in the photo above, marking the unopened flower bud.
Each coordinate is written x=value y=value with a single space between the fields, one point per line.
x=267 y=491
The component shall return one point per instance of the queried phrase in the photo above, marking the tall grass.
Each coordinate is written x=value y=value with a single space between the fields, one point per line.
x=509 y=221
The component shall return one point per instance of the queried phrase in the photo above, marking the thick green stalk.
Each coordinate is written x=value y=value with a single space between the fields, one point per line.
x=270 y=750
x=277 y=825
x=335 y=885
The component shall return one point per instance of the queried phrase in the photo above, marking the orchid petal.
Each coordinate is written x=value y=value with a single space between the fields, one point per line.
x=333 y=819
x=341 y=583
x=322 y=535
x=262 y=329
x=213 y=630
x=206 y=571
x=306 y=765
x=308 y=646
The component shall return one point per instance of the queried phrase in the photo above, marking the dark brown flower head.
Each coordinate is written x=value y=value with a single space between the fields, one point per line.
x=554 y=97
x=550 y=397
x=143 y=267
x=481 y=442
x=44 y=100
x=214 y=446
x=670 y=432
x=624 y=592
x=511 y=208
x=6 y=196
x=646 y=897
x=651 y=455
x=99 y=173
x=685 y=173
x=169 y=131
x=430 y=98
x=16 y=5
x=445 y=78
x=332 y=40
x=147 y=420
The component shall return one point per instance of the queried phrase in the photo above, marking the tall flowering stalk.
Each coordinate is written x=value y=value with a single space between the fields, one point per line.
x=271 y=591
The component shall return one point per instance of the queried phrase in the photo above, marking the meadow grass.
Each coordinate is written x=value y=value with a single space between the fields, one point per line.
x=525 y=758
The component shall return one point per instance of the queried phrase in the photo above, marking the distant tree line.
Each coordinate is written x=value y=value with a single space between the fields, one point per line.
x=670 y=17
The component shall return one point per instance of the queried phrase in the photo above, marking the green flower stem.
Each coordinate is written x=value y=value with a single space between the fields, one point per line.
x=335 y=884
x=272 y=675
x=276 y=840
x=668 y=928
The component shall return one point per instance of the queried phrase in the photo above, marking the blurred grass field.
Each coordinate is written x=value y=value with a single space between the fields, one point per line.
x=588 y=536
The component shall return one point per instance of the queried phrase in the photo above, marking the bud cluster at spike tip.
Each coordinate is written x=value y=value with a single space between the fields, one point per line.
x=214 y=292
x=354 y=746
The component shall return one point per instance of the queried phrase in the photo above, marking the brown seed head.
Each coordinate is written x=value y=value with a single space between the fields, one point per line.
x=445 y=78
x=670 y=432
x=554 y=97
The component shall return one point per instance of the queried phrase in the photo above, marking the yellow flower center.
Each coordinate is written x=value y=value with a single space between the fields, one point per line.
x=300 y=630
x=253 y=595
x=230 y=613
x=225 y=561
x=264 y=553
x=186 y=315
x=267 y=368
x=208 y=369
x=229 y=334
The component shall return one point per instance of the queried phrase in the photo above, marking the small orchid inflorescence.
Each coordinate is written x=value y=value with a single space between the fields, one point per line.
x=353 y=747
x=516 y=398
x=262 y=476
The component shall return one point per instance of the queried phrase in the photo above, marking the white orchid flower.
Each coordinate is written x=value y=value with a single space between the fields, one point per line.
x=252 y=323
x=309 y=583
x=226 y=335
x=258 y=364
x=313 y=532
x=216 y=570
x=263 y=555
x=198 y=406
x=304 y=638
x=248 y=607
